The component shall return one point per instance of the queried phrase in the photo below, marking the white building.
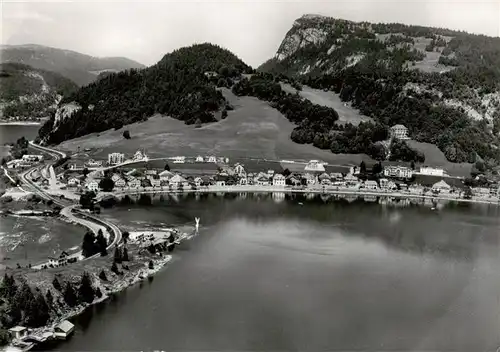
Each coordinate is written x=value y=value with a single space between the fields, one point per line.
x=120 y=183
x=165 y=175
x=431 y=171
x=314 y=166
x=32 y=158
x=155 y=182
x=279 y=180
x=198 y=181
x=211 y=159
x=481 y=191
x=270 y=173
x=116 y=158
x=441 y=186
x=73 y=181
x=139 y=156
x=262 y=180
x=179 y=159
x=115 y=177
x=199 y=159
x=310 y=179
x=243 y=181
x=371 y=185
x=398 y=171
x=239 y=169
x=176 y=181
x=92 y=185
x=94 y=163
x=399 y=132
x=387 y=184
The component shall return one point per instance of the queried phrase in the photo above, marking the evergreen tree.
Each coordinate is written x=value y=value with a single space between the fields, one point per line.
x=69 y=295
x=101 y=243
x=98 y=292
x=102 y=275
x=56 y=284
x=49 y=298
x=86 y=291
x=362 y=168
x=151 y=265
x=114 y=268
x=126 y=134
x=88 y=245
x=125 y=255
x=167 y=167
x=118 y=255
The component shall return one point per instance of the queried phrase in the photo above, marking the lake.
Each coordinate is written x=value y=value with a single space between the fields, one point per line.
x=11 y=133
x=272 y=274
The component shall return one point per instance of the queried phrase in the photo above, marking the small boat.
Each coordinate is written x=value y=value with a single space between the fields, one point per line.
x=300 y=203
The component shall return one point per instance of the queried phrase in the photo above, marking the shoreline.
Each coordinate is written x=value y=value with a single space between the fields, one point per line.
x=20 y=123
x=250 y=189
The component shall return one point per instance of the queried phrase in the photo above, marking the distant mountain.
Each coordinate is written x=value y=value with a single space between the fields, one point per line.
x=27 y=93
x=80 y=68
x=182 y=85
x=443 y=85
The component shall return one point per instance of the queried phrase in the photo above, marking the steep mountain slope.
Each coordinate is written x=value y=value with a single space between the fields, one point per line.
x=180 y=85
x=27 y=93
x=80 y=68
x=443 y=85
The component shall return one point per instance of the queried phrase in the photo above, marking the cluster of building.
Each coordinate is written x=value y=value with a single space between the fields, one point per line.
x=26 y=161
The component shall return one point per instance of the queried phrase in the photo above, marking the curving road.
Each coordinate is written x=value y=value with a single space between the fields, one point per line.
x=69 y=210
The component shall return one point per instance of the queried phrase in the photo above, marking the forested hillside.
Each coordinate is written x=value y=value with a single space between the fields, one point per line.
x=443 y=85
x=28 y=93
x=181 y=85
x=80 y=68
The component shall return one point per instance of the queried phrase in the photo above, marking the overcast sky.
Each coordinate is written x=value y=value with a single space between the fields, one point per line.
x=145 y=31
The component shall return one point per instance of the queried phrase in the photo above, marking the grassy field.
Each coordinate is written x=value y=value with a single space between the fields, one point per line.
x=331 y=100
x=435 y=157
x=252 y=129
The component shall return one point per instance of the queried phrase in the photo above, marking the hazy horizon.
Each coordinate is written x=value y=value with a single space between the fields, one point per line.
x=146 y=31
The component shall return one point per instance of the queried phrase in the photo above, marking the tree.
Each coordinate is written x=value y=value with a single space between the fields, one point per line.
x=114 y=268
x=377 y=168
x=85 y=172
x=89 y=247
x=87 y=200
x=49 y=298
x=69 y=295
x=126 y=134
x=125 y=236
x=468 y=193
x=86 y=291
x=98 y=292
x=102 y=275
x=151 y=265
x=101 y=243
x=107 y=184
x=412 y=165
x=286 y=172
x=198 y=123
x=223 y=114
x=167 y=167
x=56 y=284
x=362 y=168
x=125 y=255
x=118 y=256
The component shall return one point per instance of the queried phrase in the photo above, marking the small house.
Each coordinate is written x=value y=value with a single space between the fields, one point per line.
x=239 y=169
x=372 y=185
x=294 y=181
x=310 y=179
x=18 y=332
x=179 y=159
x=199 y=159
x=198 y=181
x=92 y=185
x=134 y=182
x=211 y=159
x=336 y=176
x=165 y=175
x=120 y=183
x=441 y=186
x=314 y=166
x=279 y=180
x=155 y=181
x=73 y=181
x=63 y=330
x=243 y=181
x=177 y=180
x=115 y=177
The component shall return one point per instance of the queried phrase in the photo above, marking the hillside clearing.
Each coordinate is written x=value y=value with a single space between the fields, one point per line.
x=329 y=99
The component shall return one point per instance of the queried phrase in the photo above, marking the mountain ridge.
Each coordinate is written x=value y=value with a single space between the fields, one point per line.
x=74 y=65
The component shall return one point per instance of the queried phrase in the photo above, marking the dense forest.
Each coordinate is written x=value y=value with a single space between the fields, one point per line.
x=29 y=92
x=176 y=86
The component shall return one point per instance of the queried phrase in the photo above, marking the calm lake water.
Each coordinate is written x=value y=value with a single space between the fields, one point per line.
x=323 y=276
x=11 y=133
